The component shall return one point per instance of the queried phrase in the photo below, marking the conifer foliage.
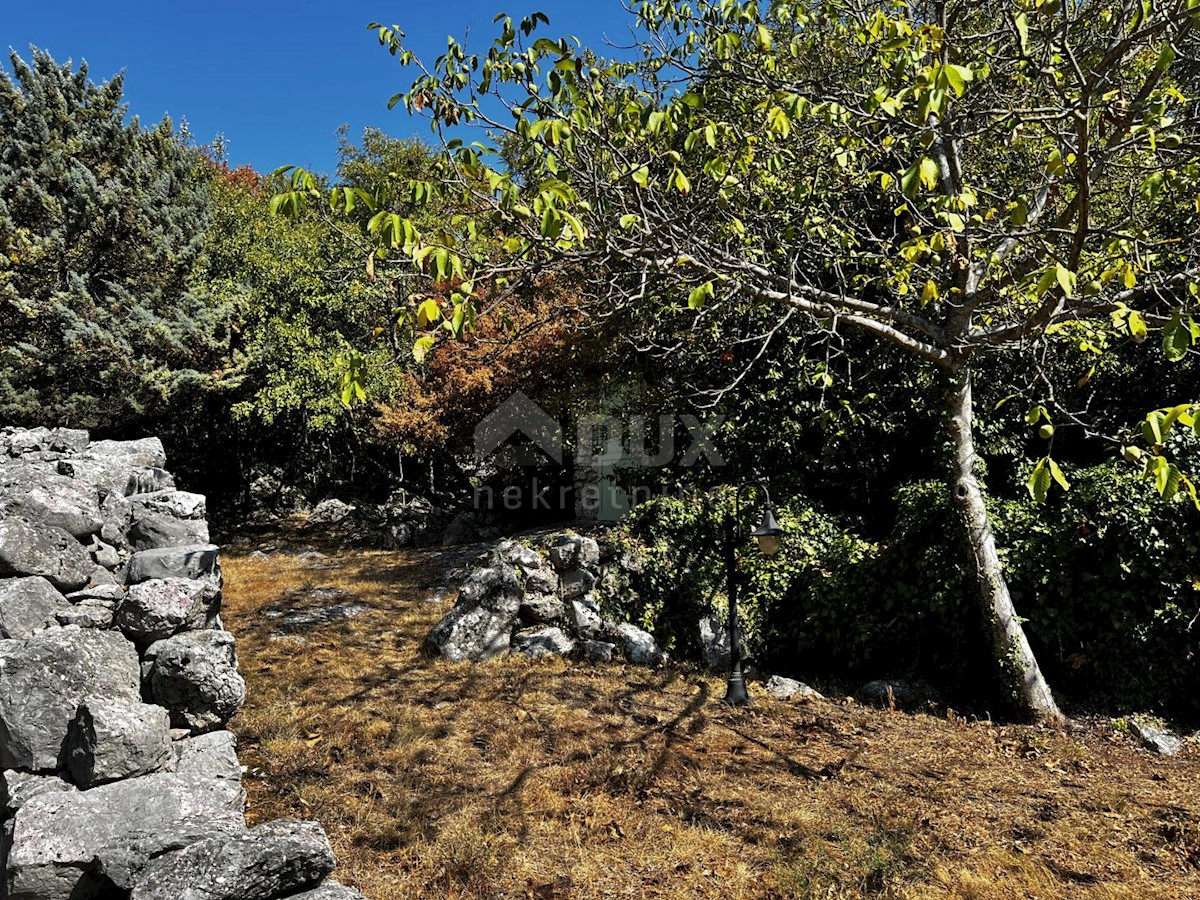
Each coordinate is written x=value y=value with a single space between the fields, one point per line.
x=100 y=223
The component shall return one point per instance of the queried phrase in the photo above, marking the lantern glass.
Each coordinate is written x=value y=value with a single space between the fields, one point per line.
x=769 y=544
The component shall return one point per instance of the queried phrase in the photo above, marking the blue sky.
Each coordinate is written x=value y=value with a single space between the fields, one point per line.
x=276 y=78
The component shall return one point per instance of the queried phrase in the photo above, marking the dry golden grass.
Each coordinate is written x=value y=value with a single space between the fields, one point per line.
x=542 y=779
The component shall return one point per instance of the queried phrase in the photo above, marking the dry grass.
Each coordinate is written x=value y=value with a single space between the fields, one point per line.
x=541 y=779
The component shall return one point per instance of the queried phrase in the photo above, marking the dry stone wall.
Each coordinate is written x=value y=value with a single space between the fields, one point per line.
x=116 y=682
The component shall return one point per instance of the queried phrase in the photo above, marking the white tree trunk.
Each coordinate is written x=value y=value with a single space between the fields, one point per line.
x=1020 y=672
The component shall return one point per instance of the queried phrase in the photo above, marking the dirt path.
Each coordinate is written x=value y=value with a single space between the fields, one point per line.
x=542 y=779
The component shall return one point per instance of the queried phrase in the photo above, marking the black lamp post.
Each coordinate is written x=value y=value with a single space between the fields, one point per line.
x=770 y=537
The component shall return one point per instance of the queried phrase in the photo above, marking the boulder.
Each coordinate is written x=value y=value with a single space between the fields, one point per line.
x=35 y=548
x=169 y=504
x=714 y=643
x=640 y=647
x=114 y=477
x=104 y=554
x=194 y=675
x=330 y=890
x=597 y=651
x=480 y=624
x=786 y=688
x=211 y=755
x=28 y=605
x=43 y=443
x=113 y=739
x=144 y=452
x=156 y=609
x=1161 y=741
x=21 y=787
x=573 y=550
x=67 y=846
x=584 y=617
x=73 y=506
x=330 y=512
x=269 y=861
x=542 y=642
x=90 y=613
x=576 y=583
x=44 y=679
x=200 y=561
x=542 y=608
x=151 y=532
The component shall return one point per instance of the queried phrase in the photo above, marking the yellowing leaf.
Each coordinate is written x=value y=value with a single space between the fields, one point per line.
x=428 y=312
x=929 y=173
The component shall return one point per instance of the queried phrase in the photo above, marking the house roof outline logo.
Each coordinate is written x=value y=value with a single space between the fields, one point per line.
x=519 y=415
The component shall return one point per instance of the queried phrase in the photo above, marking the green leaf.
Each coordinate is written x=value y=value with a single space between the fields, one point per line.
x=957 y=77
x=1039 y=482
x=681 y=182
x=1022 y=24
x=630 y=221
x=422 y=346
x=700 y=294
x=1177 y=338
x=1058 y=475
x=1066 y=280
x=1055 y=164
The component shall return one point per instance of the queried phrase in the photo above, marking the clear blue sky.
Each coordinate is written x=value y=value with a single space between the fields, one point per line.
x=276 y=78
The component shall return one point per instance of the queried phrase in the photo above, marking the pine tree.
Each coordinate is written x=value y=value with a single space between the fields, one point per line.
x=101 y=221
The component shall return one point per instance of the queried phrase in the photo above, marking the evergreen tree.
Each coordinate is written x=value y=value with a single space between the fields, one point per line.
x=100 y=223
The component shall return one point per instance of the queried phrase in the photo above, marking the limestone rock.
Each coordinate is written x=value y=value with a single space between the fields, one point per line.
x=543 y=642
x=573 y=550
x=146 y=452
x=597 y=651
x=200 y=561
x=584 y=617
x=73 y=506
x=330 y=890
x=211 y=755
x=156 y=609
x=171 y=504
x=43 y=681
x=1161 y=741
x=114 y=477
x=28 y=605
x=640 y=647
x=150 y=532
x=330 y=512
x=576 y=583
x=34 y=548
x=542 y=608
x=270 y=861
x=20 y=787
x=786 y=688
x=113 y=739
x=90 y=613
x=194 y=675
x=67 y=846
x=480 y=624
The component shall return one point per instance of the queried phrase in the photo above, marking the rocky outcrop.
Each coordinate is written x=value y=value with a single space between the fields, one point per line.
x=542 y=601
x=116 y=683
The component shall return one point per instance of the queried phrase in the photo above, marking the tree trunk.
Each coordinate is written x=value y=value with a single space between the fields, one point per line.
x=1019 y=670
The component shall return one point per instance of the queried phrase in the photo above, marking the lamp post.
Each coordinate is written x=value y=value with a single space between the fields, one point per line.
x=770 y=537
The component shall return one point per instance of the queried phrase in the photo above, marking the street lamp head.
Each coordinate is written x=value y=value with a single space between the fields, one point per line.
x=768 y=534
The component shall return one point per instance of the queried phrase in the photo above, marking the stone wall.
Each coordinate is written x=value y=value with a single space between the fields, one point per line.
x=116 y=683
x=540 y=598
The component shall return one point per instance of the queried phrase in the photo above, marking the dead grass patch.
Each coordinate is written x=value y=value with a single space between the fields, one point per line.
x=539 y=779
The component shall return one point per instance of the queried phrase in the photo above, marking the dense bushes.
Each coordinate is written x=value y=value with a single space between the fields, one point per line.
x=1105 y=574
